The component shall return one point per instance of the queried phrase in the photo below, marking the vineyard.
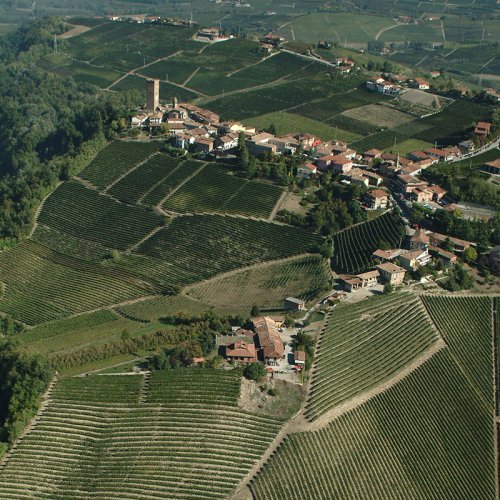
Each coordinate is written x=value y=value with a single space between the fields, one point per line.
x=203 y=246
x=429 y=436
x=466 y=326
x=353 y=247
x=214 y=190
x=108 y=436
x=42 y=285
x=364 y=345
x=265 y=286
x=85 y=214
x=116 y=160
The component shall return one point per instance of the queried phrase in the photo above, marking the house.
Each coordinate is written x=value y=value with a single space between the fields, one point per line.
x=267 y=47
x=203 y=144
x=417 y=156
x=459 y=245
x=139 y=120
x=293 y=304
x=377 y=199
x=241 y=351
x=492 y=167
x=434 y=74
x=413 y=169
x=226 y=142
x=413 y=259
x=355 y=179
x=406 y=182
x=439 y=154
x=437 y=192
x=184 y=140
x=340 y=163
x=448 y=258
x=420 y=240
x=467 y=146
x=385 y=255
x=299 y=358
x=344 y=61
x=340 y=149
x=359 y=281
x=482 y=129
x=419 y=194
x=390 y=273
x=306 y=171
x=270 y=343
x=155 y=119
x=209 y=33
x=421 y=84
x=371 y=154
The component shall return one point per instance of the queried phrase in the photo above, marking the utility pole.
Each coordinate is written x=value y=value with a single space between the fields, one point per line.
x=55 y=44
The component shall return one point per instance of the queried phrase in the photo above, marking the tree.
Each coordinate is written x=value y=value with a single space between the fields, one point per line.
x=326 y=250
x=388 y=288
x=470 y=254
x=255 y=311
x=254 y=371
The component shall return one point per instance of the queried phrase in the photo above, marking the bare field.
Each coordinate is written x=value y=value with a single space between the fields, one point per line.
x=380 y=116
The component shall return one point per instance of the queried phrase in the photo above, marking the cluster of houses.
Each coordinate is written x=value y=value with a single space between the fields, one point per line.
x=149 y=19
x=395 y=85
x=263 y=343
x=392 y=265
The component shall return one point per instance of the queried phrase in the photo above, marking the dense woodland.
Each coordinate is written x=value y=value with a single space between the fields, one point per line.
x=46 y=122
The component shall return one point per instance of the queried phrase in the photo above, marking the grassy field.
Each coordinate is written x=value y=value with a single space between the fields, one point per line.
x=353 y=247
x=288 y=122
x=116 y=449
x=266 y=286
x=365 y=344
x=379 y=116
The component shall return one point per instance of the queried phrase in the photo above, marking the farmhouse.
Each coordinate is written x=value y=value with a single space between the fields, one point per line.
x=406 y=182
x=492 y=167
x=417 y=156
x=299 y=358
x=227 y=142
x=270 y=343
x=482 y=129
x=377 y=199
x=421 y=84
x=458 y=245
x=439 y=154
x=385 y=255
x=293 y=304
x=419 y=194
x=241 y=351
x=359 y=281
x=448 y=258
x=371 y=154
x=420 y=240
x=390 y=273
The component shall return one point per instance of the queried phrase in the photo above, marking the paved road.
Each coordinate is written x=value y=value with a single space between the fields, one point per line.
x=488 y=147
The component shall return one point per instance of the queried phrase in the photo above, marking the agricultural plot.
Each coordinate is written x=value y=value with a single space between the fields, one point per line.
x=142 y=180
x=379 y=116
x=198 y=247
x=84 y=213
x=41 y=285
x=353 y=247
x=364 y=345
x=429 y=436
x=266 y=286
x=346 y=29
x=167 y=90
x=116 y=160
x=88 y=73
x=162 y=307
x=279 y=97
x=466 y=325
x=289 y=122
x=117 y=445
x=214 y=190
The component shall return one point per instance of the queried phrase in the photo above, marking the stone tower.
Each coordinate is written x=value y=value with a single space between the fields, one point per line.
x=152 y=94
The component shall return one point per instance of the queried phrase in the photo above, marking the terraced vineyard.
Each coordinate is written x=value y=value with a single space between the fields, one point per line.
x=364 y=345
x=267 y=286
x=353 y=247
x=97 y=440
x=116 y=160
x=85 y=214
x=42 y=285
x=429 y=437
x=466 y=325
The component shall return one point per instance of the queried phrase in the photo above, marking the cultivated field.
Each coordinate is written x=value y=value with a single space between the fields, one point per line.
x=364 y=345
x=265 y=286
x=430 y=434
x=108 y=436
x=379 y=116
x=353 y=247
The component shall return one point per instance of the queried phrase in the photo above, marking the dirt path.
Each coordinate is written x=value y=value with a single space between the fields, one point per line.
x=253 y=64
x=192 y=75
x=383 y=30
x=196 y=172
x=39 y=209
x=149 y=235
x=134 y=71
x=135 y=167
x=76 y=30
x=277 y=207
x=442 y=31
